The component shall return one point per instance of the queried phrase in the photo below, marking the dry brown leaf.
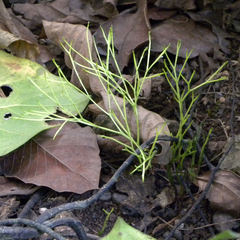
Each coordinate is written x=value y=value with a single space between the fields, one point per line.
x=110 y=146
x=216 y=145
x=106 y=8
x=166 y=197
x=33 y=14
x=156 y=13
x=82 y=12
x=173 y=4
x=70 y=163
x=130 y=30
x=15 y=37
x=11 y=186
x=8 y=206
x=81 y=40
x=232 y=161
x=224 y=192
x=21 y=43
x=76 y=12
x=189 y=32
x=149 y=123
x=210 y=16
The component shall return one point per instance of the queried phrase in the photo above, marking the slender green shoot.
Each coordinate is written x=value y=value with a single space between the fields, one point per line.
x=184 y=96
x=100 y=233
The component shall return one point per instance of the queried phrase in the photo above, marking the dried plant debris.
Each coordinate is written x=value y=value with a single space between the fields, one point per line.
x=63 y=34
x=232 y=161
x=224 y=192
x=148 y=123
x=130 y=30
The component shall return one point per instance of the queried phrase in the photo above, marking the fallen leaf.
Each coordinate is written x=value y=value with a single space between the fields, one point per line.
x=130 y=30
x=106 y=8
x=189 y=32
x=232 y=161
x=210 y=17
x=173 y=4
x=166 y=197
x=69 y=163
x=15 y=37
x=81 y=41
x=21 y=81
x=112 y=147
x=122 y=231
x=224 y=192
x=11 y=186
x=65 y=11
x=156 y=13
x=8 y=207
x=33 y=14
x=149 y=123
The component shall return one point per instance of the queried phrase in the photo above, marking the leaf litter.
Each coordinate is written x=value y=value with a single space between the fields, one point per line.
x=131 y=23
x=56 y=164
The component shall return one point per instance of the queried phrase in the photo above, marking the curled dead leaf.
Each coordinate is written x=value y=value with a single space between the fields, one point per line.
x=15 y=37
x=12 y=186
x=232 y=161
x=149 y=123
x=81 y=41
x=130 y=30
x=111 y=146
x=176 y=4
x=189 y=32
x=224 y=192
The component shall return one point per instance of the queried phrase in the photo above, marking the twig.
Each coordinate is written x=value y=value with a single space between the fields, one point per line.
x=33 y=224
x=18 y=233
x=75 y=224
x=32 y=202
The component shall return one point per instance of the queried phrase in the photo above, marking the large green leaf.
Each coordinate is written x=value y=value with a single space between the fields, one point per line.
x=228 y=234
x=26 y=88
x=122 y=231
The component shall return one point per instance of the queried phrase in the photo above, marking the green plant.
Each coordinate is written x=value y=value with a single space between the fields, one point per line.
x=105 y=222
x=129 y=97
x=121 y=230
x=228 y=234
x=110 y=82
x=129 y=93
x=182 y=96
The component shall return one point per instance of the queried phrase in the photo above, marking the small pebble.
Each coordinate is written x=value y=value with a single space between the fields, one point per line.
x=222 y=100
x=106 y=196
x=178 y=235
x=119 y=198
x=224 y=221
x=166 y=234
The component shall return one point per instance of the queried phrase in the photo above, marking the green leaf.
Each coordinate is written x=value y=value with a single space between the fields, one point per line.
x=122 y=231
x=226 y=235
x=29 y=94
